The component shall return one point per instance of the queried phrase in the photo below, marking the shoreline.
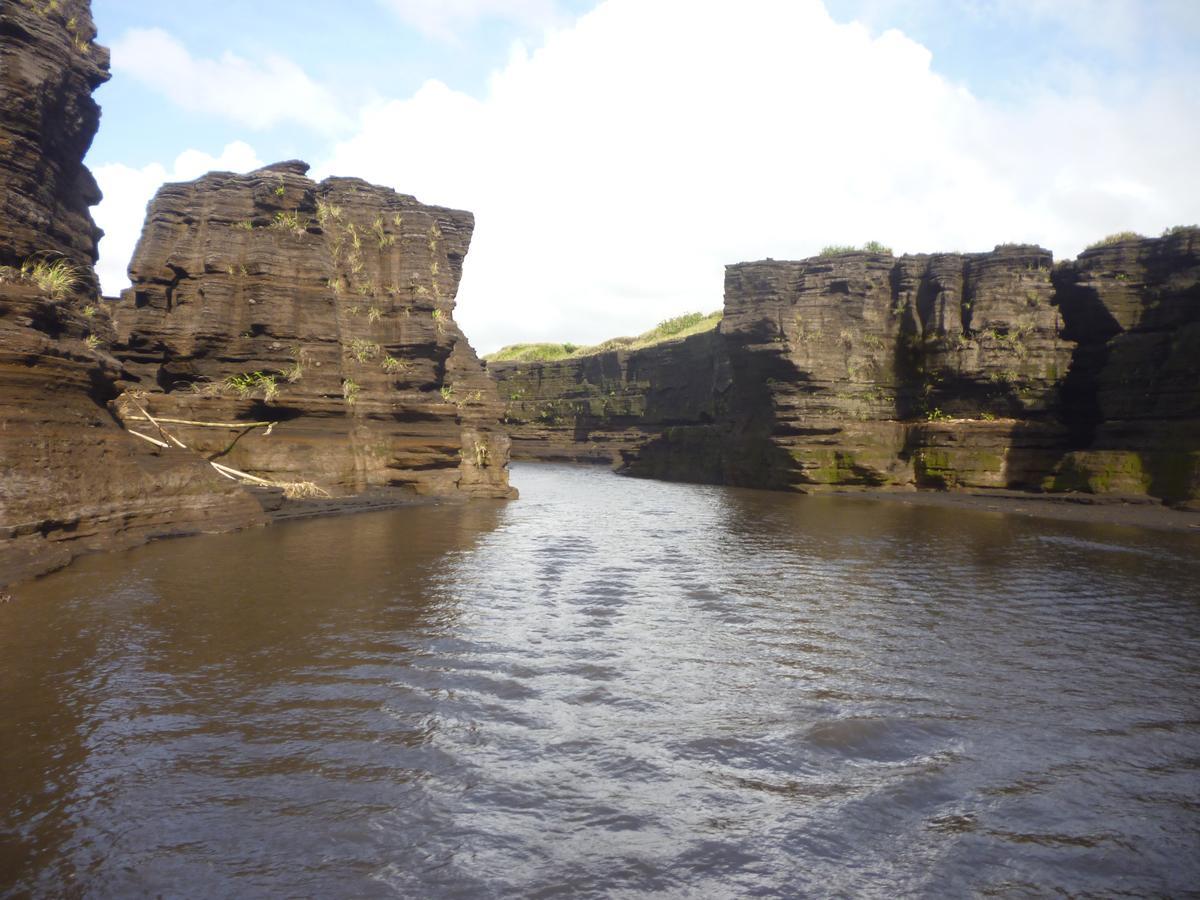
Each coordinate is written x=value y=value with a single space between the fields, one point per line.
x=1088 y=508
x=1125 y=512
x=22 y=564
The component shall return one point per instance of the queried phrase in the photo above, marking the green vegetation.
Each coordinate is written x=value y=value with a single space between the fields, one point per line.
x=350 y=391
x=844 y=249
x=327 y=212
x=247 y=384
x=382 y=237
x=290 y=221
x=300 y=360
x=1179 y=229
x=92 y=341
x=391 y=365
x=55 y=278
x=667 y=330
x=243 y=385
x=1117 y=238
x=363 y=350
x=533 y=353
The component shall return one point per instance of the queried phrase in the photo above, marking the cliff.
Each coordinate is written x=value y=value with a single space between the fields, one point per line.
x=982 y=371
x=71 y=479
x=605 y=406
x=322 y=312
x=1133 y=395
x=863 y=369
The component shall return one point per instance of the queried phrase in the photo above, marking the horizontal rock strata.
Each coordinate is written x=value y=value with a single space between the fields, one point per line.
x=1133 y=395
x=71 y=479
x=605 y=406
x=974 y=371
x=323 y=311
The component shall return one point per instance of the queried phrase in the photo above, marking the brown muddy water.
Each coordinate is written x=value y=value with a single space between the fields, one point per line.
x=610 y=688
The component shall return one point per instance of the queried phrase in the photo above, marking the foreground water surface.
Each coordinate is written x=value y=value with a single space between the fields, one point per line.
x=610 y=688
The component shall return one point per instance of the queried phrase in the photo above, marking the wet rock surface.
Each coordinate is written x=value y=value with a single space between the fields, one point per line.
x=315 y=321
x=71 y=479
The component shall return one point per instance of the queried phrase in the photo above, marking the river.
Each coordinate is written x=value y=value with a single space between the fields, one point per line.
x=610 y=688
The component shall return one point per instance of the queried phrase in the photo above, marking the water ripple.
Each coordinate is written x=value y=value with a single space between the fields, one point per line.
x=611 y=688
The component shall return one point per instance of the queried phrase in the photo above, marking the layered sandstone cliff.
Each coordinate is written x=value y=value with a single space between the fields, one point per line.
x=71 y=479
x=604 y=407
x=863 y=369
x=1133 y=396
x=974 y=371
x=323 y=312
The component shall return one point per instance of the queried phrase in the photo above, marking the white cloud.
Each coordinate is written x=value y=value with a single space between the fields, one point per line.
x=445 y=18
x=258 y=94
x=615 y=170
x=1119 y=25
x=127 y=191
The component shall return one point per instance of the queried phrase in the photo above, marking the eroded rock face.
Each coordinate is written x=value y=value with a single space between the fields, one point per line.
x=845 y=369
x=49 y=66
x=605 y=407
x=71 y=479
x=947 y=371
x=325 y=309
x=1133 y=394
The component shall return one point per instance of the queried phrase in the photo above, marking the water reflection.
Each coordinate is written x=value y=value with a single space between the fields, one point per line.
x=610 y=687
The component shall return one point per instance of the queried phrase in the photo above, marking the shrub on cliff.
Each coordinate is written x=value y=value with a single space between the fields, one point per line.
x=845 y=249
x=666 y=330
x=1117 y=238
x=531 y=353
x=55 y=278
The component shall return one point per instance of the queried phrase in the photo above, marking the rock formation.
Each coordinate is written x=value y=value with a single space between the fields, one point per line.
x=948 y=371
x=1132 y=398
x=324 y=310
x=71 y=478
x=862 y=369
x=605 y=406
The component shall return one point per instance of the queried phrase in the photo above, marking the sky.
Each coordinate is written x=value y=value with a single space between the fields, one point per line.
x=617 y=154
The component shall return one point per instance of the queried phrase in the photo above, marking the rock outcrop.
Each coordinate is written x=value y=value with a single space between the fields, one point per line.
x=71 y=479
x=863 y=369
x=604 y=407
x=983 y=371
x=324 y=310
x=1132 y=399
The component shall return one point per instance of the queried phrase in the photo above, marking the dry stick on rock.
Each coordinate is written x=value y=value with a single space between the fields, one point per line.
x=210 y=424
x=291 y=489
x=145 y=437
x=153 y=421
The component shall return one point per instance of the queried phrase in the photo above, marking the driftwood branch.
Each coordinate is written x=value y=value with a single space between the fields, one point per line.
x=209 y=424
x=291 y=489
x=146 y=437
x=153 y=421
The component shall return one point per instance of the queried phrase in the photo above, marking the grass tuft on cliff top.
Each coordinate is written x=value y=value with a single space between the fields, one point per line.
x=1179 y=229
x=1117 y=238
x=845 y=249
x=667 y=330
